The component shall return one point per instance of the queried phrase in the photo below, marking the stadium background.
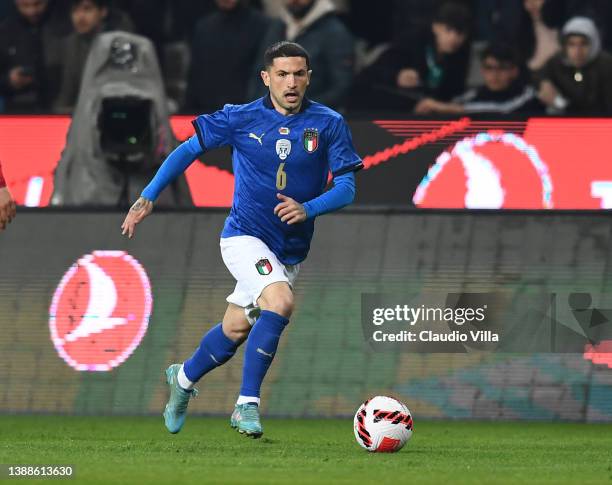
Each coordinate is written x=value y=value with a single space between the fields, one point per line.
x=324 y=367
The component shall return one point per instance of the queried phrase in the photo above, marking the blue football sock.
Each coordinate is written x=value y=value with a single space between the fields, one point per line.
x=261 y=347
x=215 y=349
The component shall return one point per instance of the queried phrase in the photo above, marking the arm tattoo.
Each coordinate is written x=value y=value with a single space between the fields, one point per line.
x=137 y=205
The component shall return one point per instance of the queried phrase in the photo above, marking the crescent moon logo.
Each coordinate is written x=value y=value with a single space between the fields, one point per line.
x=100 y=310
x=489 y=171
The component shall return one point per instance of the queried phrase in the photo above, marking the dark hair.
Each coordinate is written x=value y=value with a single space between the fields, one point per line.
x=97 y=3
x=502 y=53
x=285 y=49
x=456 y=16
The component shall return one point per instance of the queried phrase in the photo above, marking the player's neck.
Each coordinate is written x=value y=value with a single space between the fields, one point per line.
x=285 y=111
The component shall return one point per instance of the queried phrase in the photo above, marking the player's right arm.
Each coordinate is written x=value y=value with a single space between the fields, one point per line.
x=212 y=131
x=7 y=204
x=176 y=163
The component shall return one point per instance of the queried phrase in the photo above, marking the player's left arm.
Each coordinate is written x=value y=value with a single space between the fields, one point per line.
x=343 y=163
x=339 y=196
x=7 y=204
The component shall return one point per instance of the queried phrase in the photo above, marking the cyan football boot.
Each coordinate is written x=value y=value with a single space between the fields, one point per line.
x=245 y=419
x=176 y=409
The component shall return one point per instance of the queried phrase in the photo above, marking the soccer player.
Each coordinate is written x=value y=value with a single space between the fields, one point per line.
x=284 y=146
x=7 y=204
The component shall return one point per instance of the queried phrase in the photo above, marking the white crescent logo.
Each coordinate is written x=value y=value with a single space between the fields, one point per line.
x=100 y=310
x=101 y=305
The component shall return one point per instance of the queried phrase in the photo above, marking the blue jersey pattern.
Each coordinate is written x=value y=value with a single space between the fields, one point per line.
x=273 y=153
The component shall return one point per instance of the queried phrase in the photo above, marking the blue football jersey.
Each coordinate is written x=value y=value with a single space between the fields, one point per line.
x=273 y=153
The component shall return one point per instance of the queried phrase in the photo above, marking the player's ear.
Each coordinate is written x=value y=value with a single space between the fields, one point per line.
x=265 y=76
x=308 y=76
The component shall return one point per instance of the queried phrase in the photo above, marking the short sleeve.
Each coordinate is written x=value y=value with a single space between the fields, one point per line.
x=214 y=130
x=341 y=154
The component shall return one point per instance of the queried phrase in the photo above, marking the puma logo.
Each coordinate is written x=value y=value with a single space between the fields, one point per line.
x=271 y=355
x=258 y=138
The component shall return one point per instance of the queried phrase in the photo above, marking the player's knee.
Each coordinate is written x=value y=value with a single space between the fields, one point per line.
x=277 y=299
x=238 y=335
x=238 y=332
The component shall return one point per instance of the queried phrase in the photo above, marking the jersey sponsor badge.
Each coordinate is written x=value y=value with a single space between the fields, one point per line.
x=283 y=148
x=263 y=267
x=100 y=311
x=311 y=139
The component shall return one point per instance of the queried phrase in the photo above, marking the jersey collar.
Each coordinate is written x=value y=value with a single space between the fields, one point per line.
x=267 y=101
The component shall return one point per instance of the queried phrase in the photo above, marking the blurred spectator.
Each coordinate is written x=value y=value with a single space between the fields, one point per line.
x=164 y=21
x=225 y=41
x=598 y=10
x=314 y=25
x=413 y=17
x=497 y=21
x=30 y=56
x=539 y=32
x=578 y=80
x=504 y=91
x=435 y=65
x=89 y=18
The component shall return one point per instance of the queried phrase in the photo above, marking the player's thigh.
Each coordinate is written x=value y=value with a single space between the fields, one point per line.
x=235 y=324
x=278 y=298
x=255 y=267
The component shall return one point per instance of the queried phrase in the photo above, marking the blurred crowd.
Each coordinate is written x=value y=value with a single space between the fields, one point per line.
x=405 y=56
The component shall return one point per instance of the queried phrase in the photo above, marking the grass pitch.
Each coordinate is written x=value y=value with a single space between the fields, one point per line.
x=139 y=450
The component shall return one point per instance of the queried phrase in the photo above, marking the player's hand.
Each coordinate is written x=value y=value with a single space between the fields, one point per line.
x=141 y=209
x=289 y=210
x=408 y=78
x=7 y=208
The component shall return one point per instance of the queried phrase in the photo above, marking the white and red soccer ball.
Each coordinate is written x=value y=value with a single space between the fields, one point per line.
x=383 y=424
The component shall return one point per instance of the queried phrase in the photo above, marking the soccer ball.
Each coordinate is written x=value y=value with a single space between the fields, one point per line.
x=382 y=424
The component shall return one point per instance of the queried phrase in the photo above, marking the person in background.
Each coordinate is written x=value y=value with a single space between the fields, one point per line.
x=578 y=80
x=504 y=91
x=538 y=38
x=224 y=41
x=496 y=21
x=30 y=56
x=315 y=25
x=89 y=18
x=434 y=66
x=598 y=10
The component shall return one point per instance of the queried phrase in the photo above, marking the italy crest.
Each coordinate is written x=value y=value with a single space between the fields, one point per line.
x=311 y=139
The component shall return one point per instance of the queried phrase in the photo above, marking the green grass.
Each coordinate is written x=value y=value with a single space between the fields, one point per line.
x=139 y=450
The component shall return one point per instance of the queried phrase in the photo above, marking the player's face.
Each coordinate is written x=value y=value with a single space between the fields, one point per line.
x=577 y=48
x=287 y=78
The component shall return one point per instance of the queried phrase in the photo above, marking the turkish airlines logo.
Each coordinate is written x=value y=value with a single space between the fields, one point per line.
x=488 y=171
x=100 y=310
